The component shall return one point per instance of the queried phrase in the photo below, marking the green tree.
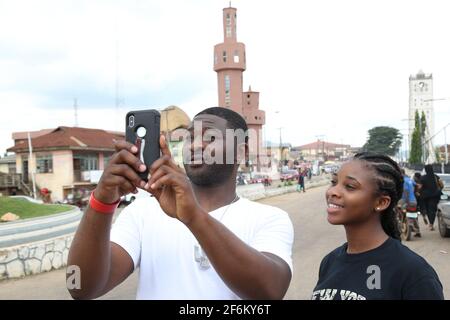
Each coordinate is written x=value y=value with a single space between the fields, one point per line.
x=415 y=155
x=385 y=140
x=423 y=126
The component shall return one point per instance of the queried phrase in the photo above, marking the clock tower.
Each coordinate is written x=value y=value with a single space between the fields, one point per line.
x=230 y=64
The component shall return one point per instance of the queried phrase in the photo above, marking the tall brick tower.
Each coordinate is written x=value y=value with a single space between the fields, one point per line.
x=230 y=63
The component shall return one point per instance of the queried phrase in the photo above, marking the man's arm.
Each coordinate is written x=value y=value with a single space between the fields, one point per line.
x=247 y=272
x=103 y=264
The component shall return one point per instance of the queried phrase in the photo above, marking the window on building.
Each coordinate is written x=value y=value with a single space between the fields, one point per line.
x=236 y=56
x=106 y=158
x=215 y=59
x=227 y=90
x=12 y=167
x=224 y=56
x=85 y=162
x=44 y=163
x=228 y=19
x=228 y=31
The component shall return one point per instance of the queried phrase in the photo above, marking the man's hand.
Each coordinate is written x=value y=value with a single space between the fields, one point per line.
x=120 y=176
x=172 y=188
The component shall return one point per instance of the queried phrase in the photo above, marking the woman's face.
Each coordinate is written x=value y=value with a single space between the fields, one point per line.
x=352 y=197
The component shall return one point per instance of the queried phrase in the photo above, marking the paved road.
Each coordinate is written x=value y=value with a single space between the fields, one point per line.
x=314 y=238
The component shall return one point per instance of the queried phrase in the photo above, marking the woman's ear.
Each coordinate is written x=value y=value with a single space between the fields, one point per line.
x=382 y=203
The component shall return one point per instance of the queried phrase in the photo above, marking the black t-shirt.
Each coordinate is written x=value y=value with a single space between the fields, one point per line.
x=390 y=272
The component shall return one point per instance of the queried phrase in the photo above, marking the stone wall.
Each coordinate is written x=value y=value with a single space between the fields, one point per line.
x=33 y=258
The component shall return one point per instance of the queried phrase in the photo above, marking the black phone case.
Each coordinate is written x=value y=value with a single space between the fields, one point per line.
x=150 y=120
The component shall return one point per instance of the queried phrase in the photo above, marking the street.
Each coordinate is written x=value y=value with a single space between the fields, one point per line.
x=314 y=238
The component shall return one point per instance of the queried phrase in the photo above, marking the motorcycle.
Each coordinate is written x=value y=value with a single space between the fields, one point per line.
x=408 y=219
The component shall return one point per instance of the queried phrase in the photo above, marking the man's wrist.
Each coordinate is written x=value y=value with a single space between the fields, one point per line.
x=101 y=207
x=198 y=220
x=106 y=199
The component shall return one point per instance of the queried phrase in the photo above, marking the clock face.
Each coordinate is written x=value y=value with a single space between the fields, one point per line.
x=421 y=84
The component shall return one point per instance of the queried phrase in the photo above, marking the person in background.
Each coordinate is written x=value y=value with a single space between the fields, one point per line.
x=301 y=180
x=431 y=193
x=417 y=194
x=408 y=200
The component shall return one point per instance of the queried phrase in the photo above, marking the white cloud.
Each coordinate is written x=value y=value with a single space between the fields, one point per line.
x=333 y=68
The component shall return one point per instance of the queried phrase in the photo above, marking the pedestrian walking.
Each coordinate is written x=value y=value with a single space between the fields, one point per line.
x=301 y=181
x=418 y=195
x=431 y=193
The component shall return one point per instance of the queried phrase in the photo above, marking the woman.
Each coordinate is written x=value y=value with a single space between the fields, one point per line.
x=431 y=194
x=417 y=193
x=301 y=181
x=373 y=264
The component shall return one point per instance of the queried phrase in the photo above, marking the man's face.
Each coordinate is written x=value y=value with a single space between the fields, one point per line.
x=204 y=154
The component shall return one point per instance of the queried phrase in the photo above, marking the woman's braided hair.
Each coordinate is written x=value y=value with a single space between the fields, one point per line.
x=389 y=180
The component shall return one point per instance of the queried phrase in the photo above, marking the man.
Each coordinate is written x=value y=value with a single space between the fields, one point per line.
x=409 y=200
x=195 y=239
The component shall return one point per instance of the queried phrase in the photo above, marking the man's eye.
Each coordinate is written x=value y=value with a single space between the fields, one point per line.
x=333 y=182
x=349 y=186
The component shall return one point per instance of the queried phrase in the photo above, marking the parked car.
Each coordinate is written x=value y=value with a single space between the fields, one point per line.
x=79 y=198
x=129 y=198
x=443 y=214
x=241 y=179
x=261 y=178
x=445 y=177
x=289 y=175
x=443 y=217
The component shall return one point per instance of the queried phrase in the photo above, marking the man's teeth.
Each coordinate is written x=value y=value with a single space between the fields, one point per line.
x=335 y=206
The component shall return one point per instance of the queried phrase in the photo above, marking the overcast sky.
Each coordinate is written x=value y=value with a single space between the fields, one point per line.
x=333 y=68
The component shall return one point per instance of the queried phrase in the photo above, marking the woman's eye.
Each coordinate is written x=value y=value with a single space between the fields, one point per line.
x=333 y=182
x=349 y=186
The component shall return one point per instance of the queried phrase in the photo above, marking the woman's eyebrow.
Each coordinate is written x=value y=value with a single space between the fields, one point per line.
x=352 y=178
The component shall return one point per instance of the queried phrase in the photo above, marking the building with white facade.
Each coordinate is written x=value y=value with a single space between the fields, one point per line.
x=421 y=99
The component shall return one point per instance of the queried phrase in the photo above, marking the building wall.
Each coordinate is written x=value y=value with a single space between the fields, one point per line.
x=4 y=168
x=417 y=96
x=62 y=174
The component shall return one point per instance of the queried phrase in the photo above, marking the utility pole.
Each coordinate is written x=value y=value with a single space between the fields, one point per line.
x=281 y=148
x=75 y=109
x=30 y=148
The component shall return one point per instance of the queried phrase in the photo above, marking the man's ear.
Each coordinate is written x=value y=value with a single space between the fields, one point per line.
x=242 y=153
x=382 y=203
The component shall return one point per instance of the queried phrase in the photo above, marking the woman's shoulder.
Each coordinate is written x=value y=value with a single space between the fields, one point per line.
x=410 y=260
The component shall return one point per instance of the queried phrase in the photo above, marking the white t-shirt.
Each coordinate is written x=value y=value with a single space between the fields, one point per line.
x=163 y=247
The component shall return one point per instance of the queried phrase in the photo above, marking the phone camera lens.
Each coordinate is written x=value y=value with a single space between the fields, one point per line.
x=131 y=121
x=141 y=132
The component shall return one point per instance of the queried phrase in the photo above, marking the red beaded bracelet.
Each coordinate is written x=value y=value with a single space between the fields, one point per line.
x=102 y=207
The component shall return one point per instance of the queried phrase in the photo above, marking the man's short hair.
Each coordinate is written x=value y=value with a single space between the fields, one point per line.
x=234 y=120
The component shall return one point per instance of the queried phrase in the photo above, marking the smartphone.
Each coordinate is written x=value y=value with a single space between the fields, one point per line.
x=143 y=130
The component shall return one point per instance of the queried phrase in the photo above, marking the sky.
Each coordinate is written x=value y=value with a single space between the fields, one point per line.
x=324 y=68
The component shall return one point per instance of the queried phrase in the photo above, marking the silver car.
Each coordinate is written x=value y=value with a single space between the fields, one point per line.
x=443 y=214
